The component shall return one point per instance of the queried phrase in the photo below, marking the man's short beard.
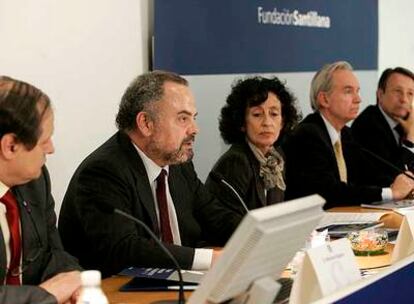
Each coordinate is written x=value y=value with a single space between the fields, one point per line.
x=179 y=156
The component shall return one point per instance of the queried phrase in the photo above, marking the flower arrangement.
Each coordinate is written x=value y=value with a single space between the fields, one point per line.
x=368 y=242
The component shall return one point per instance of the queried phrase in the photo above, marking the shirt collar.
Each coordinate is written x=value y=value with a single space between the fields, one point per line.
x=333 y=134
x=3 y=189
x=153 y=170
x=392 y=123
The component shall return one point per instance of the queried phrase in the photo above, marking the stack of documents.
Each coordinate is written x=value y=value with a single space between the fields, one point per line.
x=189 y=276
x=402 y=206
x=339 y=224
x=331 y=218
x=153 y=279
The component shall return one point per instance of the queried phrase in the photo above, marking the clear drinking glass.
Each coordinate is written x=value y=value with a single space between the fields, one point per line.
x=368 y=242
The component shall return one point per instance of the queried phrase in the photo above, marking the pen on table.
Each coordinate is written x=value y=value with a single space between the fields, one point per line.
x=190 y=287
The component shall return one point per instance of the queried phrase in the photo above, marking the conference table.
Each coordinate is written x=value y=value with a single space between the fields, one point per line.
x=111 y=285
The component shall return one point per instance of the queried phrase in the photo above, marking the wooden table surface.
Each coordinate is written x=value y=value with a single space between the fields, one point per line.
x=111 y=285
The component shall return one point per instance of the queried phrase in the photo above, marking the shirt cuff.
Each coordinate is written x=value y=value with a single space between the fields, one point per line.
x=408 y=148
x=202 y=259
x=386 y=194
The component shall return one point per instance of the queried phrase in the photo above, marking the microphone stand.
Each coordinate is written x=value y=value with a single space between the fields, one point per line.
x=384 y=161
x=218 y=178
x=181 y=298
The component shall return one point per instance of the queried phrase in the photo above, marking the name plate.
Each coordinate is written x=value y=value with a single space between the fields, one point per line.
x=325 y=269
x=404 y=245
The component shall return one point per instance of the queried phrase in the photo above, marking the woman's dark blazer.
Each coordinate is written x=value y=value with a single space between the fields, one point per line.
x=240 y=168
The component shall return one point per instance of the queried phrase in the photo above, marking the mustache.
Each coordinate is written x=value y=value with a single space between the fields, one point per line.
x=189 y=139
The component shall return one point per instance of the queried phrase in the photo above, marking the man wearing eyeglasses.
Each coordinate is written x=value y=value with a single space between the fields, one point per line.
x=34 y=268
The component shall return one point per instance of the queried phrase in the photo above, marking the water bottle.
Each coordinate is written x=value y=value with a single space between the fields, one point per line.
x=91 y=288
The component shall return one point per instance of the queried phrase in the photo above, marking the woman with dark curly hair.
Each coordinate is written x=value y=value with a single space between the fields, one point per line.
x=257 y=112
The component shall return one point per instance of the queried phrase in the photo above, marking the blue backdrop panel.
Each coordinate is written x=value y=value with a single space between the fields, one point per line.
x=394 y=288
x=247 y=36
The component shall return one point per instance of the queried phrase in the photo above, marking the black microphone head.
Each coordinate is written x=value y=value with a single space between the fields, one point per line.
x=217 y=177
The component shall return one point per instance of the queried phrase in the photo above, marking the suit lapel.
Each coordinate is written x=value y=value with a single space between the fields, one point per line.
x=28 y=231
x=389 y=135
x=256 y=173
x=176 y=193
x=142 y=183
x=146 y=198
x=318 y=120
x=325 y=134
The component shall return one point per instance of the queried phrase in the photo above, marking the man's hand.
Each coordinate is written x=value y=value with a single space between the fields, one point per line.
x=408 y=125
x=402 y=186
x=64 y=286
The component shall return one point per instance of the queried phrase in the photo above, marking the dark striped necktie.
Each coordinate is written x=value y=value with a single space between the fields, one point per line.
x=166 y=233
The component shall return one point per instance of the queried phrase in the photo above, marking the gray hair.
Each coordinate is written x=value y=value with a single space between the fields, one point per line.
x=141 y=94
x=322 y=81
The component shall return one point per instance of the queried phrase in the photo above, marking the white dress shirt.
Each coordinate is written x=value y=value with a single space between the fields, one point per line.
x=202 y=257
x=392 y=123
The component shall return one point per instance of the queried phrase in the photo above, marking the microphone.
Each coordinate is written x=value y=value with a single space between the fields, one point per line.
x=220 y=179
x=108 y=208
x=379 y=158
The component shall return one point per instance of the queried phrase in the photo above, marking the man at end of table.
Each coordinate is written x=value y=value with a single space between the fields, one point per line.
x=34 y=268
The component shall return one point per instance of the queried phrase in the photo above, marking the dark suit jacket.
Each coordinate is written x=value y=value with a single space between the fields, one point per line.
x=311 y=166
x=115 y=174
x=240 y=168
x=372 y=131
x=40 y=238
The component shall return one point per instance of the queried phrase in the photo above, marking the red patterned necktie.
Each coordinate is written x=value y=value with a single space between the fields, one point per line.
x=166 y=234
x=13 y=217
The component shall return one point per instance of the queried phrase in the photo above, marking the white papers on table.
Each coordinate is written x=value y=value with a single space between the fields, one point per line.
x=331 y=218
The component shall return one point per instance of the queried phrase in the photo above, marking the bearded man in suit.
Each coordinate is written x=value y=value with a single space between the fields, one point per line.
x=145 y=169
